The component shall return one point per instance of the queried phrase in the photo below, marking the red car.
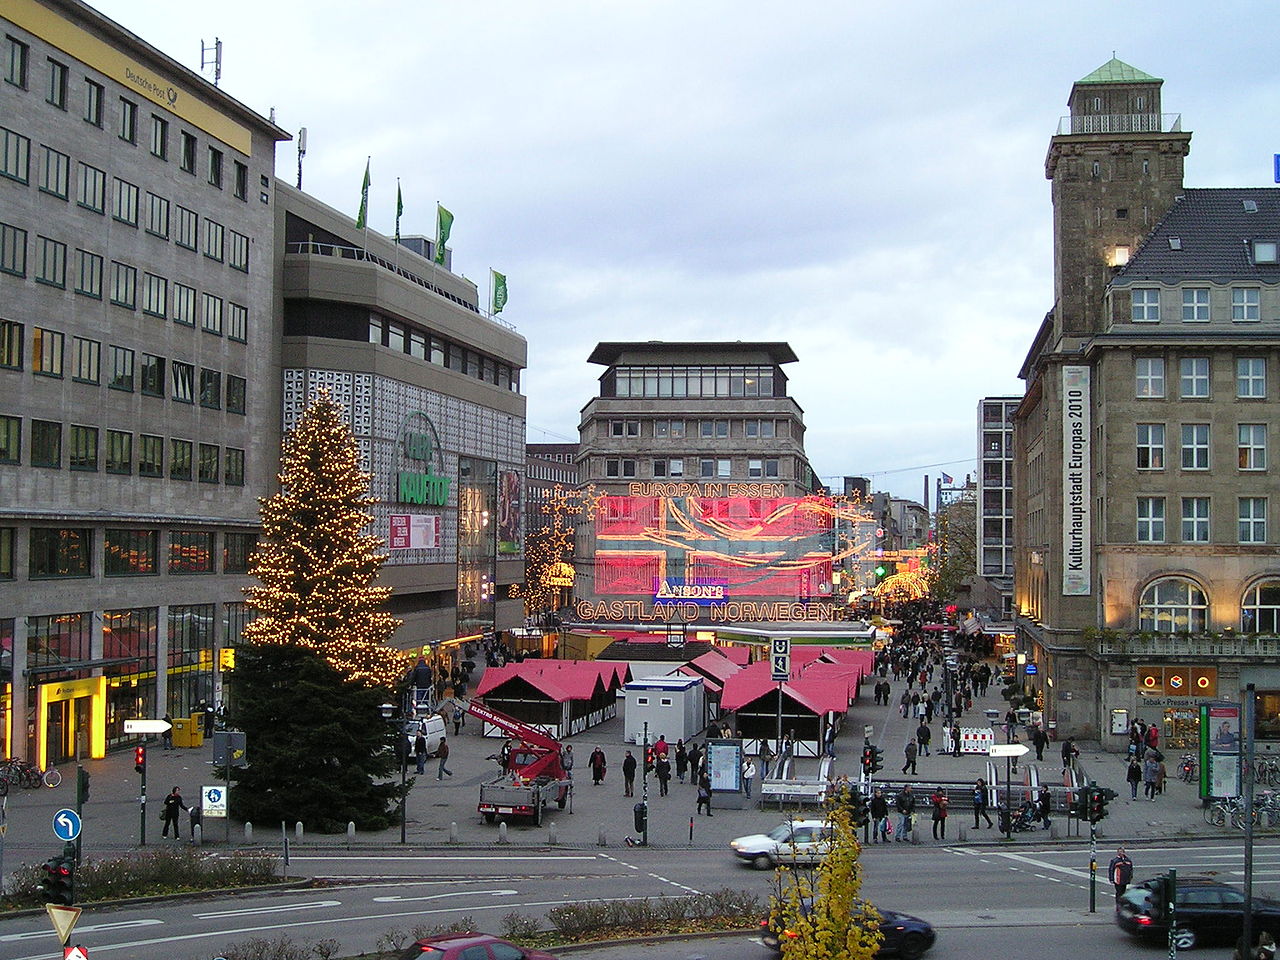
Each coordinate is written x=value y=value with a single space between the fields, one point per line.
x=470 y=946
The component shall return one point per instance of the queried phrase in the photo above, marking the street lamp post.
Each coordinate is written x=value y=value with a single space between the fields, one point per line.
x=402 y=757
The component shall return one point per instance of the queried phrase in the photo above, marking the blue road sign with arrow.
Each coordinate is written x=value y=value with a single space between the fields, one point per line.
x=66 y=824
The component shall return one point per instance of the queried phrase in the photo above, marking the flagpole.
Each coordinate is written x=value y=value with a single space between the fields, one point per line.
x=367 y=161
x=397 y=244
x=432 y=258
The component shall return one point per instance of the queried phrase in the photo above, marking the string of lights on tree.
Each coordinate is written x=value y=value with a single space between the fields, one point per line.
x=315 y=565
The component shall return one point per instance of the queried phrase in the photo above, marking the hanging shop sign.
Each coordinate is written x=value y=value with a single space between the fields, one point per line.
x=1178 y=682
x=1076 y=466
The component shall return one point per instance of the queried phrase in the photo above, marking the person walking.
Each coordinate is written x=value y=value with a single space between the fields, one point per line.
x=704 y=794
x=166 y=738
x=566 y=761
x=1069 y=753
x=923 y=736
x=420 y=752
x=682 y=760
x=748 y=775
x=955 y=739
x=904 y=702
x=766 y=758
x=695 y=762
x=662 y=770
x=443 y=753
x=1039 y=739
x=980 y=803
x=939 y=801
x=879 y=810
x=457 y=719
x=909 y=751
x=1044 y=805
x=598 y=765
x=628 y=775
x=173 y=806
x=1150 y=774
x=1134 y=776
x=906 y=807
x=1120 y=871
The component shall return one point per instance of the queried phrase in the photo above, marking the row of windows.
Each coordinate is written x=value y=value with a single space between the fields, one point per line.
x=50 y=264
x=709 y=467
x=52 y=357
x=1251 y=446
x=1245 y=305
x=718 y=429
x=1179 y=605
x=1194 y=378
x=90 y=448
x=437 y=350
x=1251 y=520
x=17 y=73
x=57 y=552
x=691 y=381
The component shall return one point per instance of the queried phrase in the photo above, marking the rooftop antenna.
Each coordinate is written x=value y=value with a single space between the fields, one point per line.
x=212 y=55
x=302 y=152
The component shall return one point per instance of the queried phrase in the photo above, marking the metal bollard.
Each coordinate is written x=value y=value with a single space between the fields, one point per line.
x=248 y=832
x=502 y=832
x=197 y=833
x=601 y=839
x=297 y=831
x=453 y=831
x=551 y=834
x=351 y=831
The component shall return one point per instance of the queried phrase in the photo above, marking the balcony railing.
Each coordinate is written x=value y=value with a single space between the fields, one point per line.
x=1108 y=643
x=356 y=253
x=1121 y=123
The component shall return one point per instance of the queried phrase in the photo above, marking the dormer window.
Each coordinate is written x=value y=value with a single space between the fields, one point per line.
x=1264 y=251
x=1175 y=243
x=1250 y=206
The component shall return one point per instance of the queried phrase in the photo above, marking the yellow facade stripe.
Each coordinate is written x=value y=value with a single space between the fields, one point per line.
x=117 y=65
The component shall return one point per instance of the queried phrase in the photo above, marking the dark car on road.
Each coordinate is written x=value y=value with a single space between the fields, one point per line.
x=469 y=946
x=902 y=935
x=1205 y=911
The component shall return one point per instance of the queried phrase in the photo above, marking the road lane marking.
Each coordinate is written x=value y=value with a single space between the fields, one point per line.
x=117 y=925
x=282 y=908
x=436 y=859
x=444 y=896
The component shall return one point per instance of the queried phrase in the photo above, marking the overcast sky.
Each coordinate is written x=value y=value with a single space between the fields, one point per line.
x=864 y=181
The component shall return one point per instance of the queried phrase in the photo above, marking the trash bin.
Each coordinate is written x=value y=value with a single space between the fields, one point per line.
x=992 y=716
x=182 y=727
x=641 y=813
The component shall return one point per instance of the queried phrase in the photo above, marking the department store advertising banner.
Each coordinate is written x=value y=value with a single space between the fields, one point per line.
x=1076 y=496
x=414 y=531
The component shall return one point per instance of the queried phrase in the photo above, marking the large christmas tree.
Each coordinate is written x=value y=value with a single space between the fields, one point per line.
x=314 y=560
x=315 y=667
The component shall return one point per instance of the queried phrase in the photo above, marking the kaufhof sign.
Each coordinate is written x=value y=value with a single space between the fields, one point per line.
x=420 y=478
x=675 y=590
x=1191 y=682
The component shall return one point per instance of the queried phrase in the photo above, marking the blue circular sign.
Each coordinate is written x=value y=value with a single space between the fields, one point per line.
x=66 y=824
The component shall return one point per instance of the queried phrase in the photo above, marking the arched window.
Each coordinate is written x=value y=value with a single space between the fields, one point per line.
x=1260 y=611
x=1173 y=605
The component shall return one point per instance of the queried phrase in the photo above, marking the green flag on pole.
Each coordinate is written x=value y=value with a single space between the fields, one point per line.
x=499 y=291
x=444 y=223
x=399 y=209
x=362 y=216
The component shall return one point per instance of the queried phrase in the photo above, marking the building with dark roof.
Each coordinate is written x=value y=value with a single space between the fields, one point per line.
x=1147 y=580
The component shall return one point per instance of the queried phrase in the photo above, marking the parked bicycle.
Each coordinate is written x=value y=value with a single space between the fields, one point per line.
x=26 y=775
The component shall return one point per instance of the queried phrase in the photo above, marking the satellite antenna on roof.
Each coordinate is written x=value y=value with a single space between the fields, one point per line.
x=212 y=56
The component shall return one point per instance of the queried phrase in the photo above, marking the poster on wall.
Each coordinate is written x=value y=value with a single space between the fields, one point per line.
x=414 y=531
x=509 y=512
x=724 y=765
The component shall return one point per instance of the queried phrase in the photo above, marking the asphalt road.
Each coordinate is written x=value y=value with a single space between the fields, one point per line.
x=974 y=895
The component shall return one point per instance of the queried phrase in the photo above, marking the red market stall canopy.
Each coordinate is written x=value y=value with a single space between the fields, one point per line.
x=560 y=697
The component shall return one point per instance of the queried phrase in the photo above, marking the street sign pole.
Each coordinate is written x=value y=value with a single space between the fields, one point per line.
x=780 y=672
x=1093 y=866
x=1010 y=752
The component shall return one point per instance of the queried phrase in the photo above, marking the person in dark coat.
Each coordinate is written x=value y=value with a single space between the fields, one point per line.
x=598 y=765
x=910 y=753
x=1044 y=805
x=173 y=805
x=1120 y=871
x=662 y=770
x=704 y=794
x=420 y=752
x=682 y=760
x=1040 y=740
x=879 y=810
x=628 y=775
x=980 y=803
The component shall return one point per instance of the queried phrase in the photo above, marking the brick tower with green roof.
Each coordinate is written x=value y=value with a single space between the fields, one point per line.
x=1116 y=167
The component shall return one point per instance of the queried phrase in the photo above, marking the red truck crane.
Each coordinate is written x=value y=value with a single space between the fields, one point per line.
x=533 y=773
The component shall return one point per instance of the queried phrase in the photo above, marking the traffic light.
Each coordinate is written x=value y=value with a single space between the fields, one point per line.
x=866 y=758
x=82 y=785
x=57 y=882
x=139 y=759
x=1098 y=799
x=648 y=759
x=858 y=808
x=877 y=759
